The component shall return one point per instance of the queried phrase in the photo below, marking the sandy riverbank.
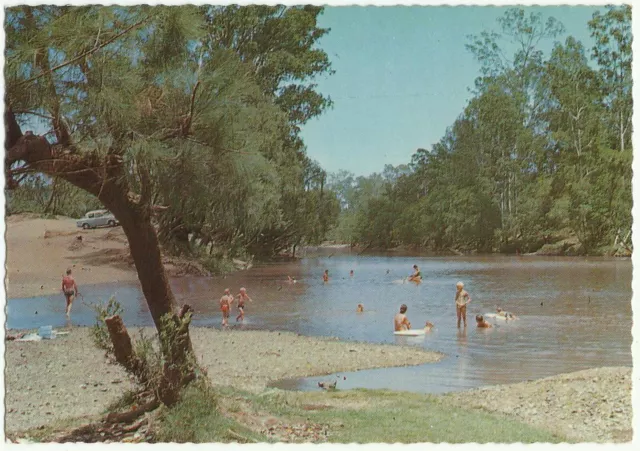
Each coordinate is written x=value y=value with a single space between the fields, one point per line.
x=69 y=377
x=590 y=406
x=40 y=250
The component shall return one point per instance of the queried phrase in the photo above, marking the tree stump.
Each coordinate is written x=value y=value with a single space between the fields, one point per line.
x=123 y=349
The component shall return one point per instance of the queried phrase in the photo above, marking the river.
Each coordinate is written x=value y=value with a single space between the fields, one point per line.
x=574 y=313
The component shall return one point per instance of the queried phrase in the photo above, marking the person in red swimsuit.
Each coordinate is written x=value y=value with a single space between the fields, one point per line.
x=225 y=306
x=70 y=290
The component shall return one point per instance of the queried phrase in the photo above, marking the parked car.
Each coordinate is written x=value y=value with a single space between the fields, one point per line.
x=97 y=218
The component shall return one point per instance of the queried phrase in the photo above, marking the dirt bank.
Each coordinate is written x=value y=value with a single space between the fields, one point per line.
x=40 y=250
x=69 y=377
x=590 y=406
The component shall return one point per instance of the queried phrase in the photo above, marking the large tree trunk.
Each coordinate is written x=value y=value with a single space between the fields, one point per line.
x=145 y=250
x=104 y=176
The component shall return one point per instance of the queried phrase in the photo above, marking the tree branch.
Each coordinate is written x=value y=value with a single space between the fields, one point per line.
x=82 y=55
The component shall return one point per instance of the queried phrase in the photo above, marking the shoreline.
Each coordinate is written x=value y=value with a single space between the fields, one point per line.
x=70 y=377
x=592 y=405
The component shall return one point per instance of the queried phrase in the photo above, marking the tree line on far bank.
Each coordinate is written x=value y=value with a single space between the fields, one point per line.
x=541 y=153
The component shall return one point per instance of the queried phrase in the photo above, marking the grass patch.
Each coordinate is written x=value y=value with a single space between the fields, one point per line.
x=196 y=419
x=384 y=416
x=354 y=416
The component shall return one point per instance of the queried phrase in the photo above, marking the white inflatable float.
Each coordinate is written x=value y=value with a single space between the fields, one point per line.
x=495 y=316
x=411 y=332
x=401 y=281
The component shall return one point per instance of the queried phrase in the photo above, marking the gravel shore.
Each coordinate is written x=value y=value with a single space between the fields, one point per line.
x=590 y=406
x=68 y=377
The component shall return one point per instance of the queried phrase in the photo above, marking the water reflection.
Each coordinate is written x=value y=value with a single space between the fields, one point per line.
x=462 y=337
x=557 y=300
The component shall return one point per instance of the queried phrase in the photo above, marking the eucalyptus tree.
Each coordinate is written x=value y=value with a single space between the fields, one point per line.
x=612 y=52
x=519 y=75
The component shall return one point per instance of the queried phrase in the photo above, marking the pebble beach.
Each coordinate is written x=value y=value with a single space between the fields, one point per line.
x=69 y=377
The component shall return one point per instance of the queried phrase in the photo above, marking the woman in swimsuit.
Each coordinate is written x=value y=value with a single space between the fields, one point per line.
x=416 y=276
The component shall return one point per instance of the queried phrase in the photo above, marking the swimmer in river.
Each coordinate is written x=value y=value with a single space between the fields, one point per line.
x=416 y=276
x=225 y=306
x=325 y=276
x=400 y=321
x=428 y=326
x=70 y=290
x=360 y=308
x=462 y=299
x=242 y=297
x=506 y=315
x=481 y=323
x=351 y=273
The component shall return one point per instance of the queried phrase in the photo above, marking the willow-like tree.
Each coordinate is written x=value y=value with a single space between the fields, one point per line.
x=123 y=98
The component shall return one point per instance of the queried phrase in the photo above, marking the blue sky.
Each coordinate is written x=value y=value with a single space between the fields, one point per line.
x=402 y=77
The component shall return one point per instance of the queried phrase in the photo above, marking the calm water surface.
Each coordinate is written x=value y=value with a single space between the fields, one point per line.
x=575 y=313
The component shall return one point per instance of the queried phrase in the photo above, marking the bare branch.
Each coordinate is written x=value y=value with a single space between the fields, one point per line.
x=33 y=113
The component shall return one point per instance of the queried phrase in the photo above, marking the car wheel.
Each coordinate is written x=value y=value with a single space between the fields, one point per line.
x=111 y=223
x=85 y=226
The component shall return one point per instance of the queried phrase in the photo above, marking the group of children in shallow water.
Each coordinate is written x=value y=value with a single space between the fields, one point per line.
x=400 y=321
x=462 y=299
x=227 y=300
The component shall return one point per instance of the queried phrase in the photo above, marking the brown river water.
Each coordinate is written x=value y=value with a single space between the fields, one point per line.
x=574 y=313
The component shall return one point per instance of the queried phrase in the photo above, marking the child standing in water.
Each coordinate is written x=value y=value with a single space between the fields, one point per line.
x=325 y=276
x=242 y=297
x=225 y=306
x=462 y=299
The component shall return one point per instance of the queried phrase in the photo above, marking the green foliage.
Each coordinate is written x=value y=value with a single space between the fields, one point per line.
x=203 y=102
x=384 y=416
x=99 y=331
x=154 y=356
x=531 y=160
x=39 y=195
x=196 y=418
